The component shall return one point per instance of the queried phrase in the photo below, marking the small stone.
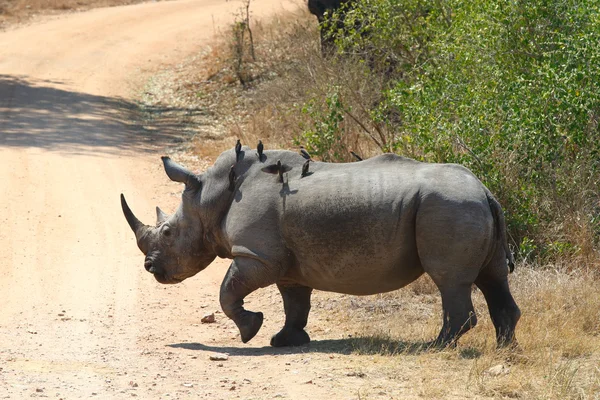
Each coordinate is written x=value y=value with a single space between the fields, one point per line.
x=39 y=390
x=497 y=370
x=189 y=385
x=357 y=374
x=208 y=318
x=219 y=357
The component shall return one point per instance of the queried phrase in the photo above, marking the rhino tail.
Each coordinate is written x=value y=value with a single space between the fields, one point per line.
x=500 y=224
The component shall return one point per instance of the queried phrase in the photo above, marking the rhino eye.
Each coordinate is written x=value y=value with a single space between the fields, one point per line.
x=166 y=231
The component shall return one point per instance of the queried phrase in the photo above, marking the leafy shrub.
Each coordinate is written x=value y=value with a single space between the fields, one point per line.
x=510 y=89
x=323 y=136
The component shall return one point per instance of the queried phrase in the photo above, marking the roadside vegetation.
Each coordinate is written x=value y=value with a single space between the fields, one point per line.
x=508 y=89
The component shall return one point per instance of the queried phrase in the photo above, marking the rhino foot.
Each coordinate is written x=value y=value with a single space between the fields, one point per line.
x=250 y=325
x=290 y=337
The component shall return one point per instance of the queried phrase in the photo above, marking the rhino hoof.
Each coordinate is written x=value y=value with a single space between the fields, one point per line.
x=251 y=326
x=290 y=337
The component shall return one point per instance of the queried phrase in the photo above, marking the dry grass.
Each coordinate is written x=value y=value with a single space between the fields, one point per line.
x=19 y=11
x=291 y=72
x=559 y=338
x=267 y=107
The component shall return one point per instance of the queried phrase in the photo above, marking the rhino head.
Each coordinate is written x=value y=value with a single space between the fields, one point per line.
x=175 y=248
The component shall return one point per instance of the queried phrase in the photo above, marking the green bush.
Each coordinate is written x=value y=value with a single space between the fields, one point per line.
x=510 y=89
x=323 y=137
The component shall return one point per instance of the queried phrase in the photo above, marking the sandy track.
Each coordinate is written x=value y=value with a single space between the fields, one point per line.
x=80 y=318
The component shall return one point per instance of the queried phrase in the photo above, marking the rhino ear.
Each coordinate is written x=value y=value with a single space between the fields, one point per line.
x=177 y=173
x=160 y=216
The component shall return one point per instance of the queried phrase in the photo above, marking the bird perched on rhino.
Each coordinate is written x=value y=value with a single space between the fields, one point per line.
x=232 y=178
x=305 y=168
x=238 y=150
x=358 y=158
x=305 y=154
x=278 y=168
x=259 y=150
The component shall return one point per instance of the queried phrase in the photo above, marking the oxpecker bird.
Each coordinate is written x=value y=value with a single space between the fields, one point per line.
x=305 y=168
x=280 y=170
x=238 y=149
x=259 y=150
x=358 y=158
x=304 y=153
x=277 y=168
x=232 y=178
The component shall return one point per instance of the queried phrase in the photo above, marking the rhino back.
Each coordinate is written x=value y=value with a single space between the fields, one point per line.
x=346 y=227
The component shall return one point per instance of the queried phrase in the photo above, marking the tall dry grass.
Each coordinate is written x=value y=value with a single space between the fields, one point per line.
x=558 y=356
x=288 y=71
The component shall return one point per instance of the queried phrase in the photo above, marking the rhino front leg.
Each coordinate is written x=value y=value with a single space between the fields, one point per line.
x=245 y=275
x=296 y=303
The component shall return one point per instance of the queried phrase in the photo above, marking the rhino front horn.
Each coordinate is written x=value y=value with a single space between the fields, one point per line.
x=136 y=225
x=178 y=173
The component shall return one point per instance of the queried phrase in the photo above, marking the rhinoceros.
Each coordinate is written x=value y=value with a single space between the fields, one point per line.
x=323 y=10
x=358 y=228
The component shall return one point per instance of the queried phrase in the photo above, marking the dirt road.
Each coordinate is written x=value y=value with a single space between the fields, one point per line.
x=79 y=317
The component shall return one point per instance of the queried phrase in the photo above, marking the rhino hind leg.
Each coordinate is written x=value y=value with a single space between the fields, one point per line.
x=296 y=303
x=244 y=276
x=459 y=314
x=493 y=283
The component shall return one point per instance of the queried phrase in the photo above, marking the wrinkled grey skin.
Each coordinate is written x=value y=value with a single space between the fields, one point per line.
x=359 y=228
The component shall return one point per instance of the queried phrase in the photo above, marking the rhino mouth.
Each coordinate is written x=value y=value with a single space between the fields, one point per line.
x=162 y=278
x=159 y=274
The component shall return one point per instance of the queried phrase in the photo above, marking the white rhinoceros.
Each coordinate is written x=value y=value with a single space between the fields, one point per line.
x=358 y=228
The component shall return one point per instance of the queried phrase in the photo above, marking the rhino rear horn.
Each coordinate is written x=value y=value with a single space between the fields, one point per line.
x=177 y=173
x=160 y=216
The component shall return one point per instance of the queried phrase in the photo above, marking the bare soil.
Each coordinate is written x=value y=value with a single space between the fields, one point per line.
x=81 y=319
x=17 y=12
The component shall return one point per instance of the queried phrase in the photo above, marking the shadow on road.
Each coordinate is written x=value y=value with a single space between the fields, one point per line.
x=359 y=345
x=42 y=114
